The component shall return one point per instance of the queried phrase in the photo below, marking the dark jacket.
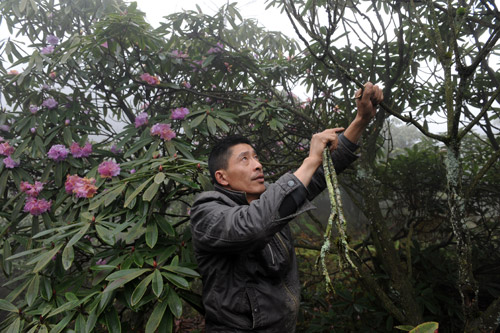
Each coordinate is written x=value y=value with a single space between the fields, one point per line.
x=246 y=256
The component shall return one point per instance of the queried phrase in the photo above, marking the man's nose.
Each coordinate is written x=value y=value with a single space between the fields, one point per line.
x=257 y=165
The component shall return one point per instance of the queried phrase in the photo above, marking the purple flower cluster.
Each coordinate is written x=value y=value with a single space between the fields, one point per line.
x=34 y=205
x=47 y=50
x=141 y=119
x=79 y=152
x=37 y=206
x=179 y=54
x=179 y=113
x=50 y=103
x=163 y=130
x=108 y=169
x=217 y=49
x=150 y=79
x=58 y=153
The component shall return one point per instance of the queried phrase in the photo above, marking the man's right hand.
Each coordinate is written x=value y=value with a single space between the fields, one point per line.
x=318 y=143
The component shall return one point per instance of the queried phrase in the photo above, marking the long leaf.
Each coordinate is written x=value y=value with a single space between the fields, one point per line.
x=68 y=256
x=8 y=306
x=136 y=192
x=140 y=290
x=157 y=284
x=156 y=316
x=124 y=279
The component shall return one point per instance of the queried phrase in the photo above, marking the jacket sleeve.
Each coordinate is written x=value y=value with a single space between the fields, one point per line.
x=221 y=226
x=342 y=157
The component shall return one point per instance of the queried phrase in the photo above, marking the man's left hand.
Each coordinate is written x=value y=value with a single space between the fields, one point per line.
x=371 y=96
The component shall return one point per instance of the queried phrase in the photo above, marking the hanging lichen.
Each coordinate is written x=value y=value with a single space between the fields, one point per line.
x=337 y=216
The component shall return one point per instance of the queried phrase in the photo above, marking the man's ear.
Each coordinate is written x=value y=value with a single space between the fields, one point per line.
x=220 y=176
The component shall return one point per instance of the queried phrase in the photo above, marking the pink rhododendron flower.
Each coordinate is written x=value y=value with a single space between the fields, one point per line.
x=186 y=84
x=108 y=169
x=217 y=49
x=10 y=163
x=82 y=187
x=52 y=40
x=33 y=109
x=31 y=190
x=132 y=171
x=114 y=149
x=150 y=79
x=4 y=128
x=141 y=119
x=163 y=130
x=53 y=75
x=83 y=151
x=47 y=49
x=67 y=122
x=50 y=103
x=6 y=149
x=37 y=206
x=58 y=152
x=33 y=130
x=13 y=72
x=105 y=44
x=179 y=113
x=101 y=262
x=179 y=54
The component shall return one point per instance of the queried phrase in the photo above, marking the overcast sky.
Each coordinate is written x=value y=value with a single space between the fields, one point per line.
x=272 y=19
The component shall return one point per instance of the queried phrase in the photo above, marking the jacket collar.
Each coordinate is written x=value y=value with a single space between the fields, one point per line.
x=239 y=197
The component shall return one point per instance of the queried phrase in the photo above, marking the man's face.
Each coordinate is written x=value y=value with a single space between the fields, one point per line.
x=243 y=173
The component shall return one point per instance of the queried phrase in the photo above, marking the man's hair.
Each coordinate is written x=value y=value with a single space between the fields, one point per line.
x=221 y=152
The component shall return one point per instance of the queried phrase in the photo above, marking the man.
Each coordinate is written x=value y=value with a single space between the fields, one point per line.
x=240 y=230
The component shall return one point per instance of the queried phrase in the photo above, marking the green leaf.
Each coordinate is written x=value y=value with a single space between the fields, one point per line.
x=157 y=284
x=136 y=192
x=111 y=196
x=112 y=320
x=76 y=237
x=176 y=280
x=159 y=178
x=122 y=277
x=166 y=324
x=165 y=225
x=8 y=306
x=156 y=316
x=68 y=256
x=62 y=323
x=181 y=270
x=15 y=327
x=105 y=235
x=174 y=303
x=32 y=291
x=196 y=121
x=45 y=258
x=150 y=192
x=151 y=233
x=140 y=290
x=68 y=138
x=80 y=323
x=429 y=327
x=212 y=128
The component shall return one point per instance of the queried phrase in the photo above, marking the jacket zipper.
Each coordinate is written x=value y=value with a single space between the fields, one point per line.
x=282 y=281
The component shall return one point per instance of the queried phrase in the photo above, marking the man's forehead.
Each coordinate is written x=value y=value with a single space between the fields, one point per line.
x=240 y=149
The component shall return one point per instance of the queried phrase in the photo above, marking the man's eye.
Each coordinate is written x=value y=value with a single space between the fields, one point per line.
x=256 y=157
x=244 y=158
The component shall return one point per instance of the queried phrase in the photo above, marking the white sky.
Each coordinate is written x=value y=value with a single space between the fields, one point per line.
x=272 y=19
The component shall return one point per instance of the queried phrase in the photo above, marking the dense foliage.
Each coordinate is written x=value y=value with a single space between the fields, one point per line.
x=108 y=122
